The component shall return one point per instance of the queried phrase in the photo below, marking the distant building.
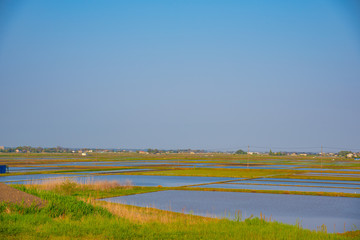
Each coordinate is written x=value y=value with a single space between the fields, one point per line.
x=2 y=148
x=349 y=155
x=83 y=154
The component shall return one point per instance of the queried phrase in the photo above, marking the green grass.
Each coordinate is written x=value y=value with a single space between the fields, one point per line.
x=66 y=217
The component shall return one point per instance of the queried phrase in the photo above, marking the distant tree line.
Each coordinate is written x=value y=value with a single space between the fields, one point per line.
x=26 y=149
x=29 y=149
x=58 y=149
x=271 y=153
x=154 y=151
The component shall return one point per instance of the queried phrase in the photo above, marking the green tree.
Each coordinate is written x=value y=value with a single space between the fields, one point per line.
x=271 y=153
x=240 y=151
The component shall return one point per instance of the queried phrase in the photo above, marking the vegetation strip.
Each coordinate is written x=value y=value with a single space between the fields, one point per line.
x=287 y=185
x=265 y=180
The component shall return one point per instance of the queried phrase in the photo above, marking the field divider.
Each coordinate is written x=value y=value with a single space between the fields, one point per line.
x=315 y=182
x=287 y=185
x=233 y=180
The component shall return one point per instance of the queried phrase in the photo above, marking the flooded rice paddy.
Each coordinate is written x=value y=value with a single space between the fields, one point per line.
x=30 y=169
x=302 y=182
x=97 y=170
x=331 y=174
x=282 y=188
x=337 y=213
x=137 y=180
x=306 y=180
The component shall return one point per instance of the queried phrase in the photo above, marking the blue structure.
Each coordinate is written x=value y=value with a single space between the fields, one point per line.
x=3 y=168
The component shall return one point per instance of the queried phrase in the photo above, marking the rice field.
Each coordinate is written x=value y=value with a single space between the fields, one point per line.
x=107 y=175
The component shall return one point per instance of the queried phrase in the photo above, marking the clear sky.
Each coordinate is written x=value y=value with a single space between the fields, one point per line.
x=175 y=74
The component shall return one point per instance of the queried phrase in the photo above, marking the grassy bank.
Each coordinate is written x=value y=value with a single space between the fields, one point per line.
x=68 y=217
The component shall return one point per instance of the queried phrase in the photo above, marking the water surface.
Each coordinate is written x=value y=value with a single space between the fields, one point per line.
x=311 y=184
x=137 y=180
x=306 y=180
x=311 y=211
x=282 y=188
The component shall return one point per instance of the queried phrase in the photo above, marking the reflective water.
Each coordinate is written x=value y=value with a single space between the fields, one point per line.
x=325 y=184
x=137 y=180
x=165 y=181
x=330 y=169
x=306 y=180
x=282 y=188
x=114 y=171
x=310 y=211
x=250 y=167
x=332 y=174
x=30 y=169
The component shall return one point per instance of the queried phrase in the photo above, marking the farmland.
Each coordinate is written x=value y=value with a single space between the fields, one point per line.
x=57 y=178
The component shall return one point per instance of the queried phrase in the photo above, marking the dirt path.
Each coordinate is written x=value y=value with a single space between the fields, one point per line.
x=9 y=194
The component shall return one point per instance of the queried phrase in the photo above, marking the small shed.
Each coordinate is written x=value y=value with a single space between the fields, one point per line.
x=3 y=168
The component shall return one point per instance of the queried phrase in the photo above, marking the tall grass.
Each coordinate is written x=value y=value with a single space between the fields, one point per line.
x=70 y=186
x=148 y=214
x=78 y=183
x=88 y=188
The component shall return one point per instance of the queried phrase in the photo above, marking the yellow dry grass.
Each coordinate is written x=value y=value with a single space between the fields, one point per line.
x=88 y=184
x=148 y=214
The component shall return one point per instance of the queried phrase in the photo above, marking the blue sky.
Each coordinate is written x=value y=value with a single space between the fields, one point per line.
x=220 y=75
